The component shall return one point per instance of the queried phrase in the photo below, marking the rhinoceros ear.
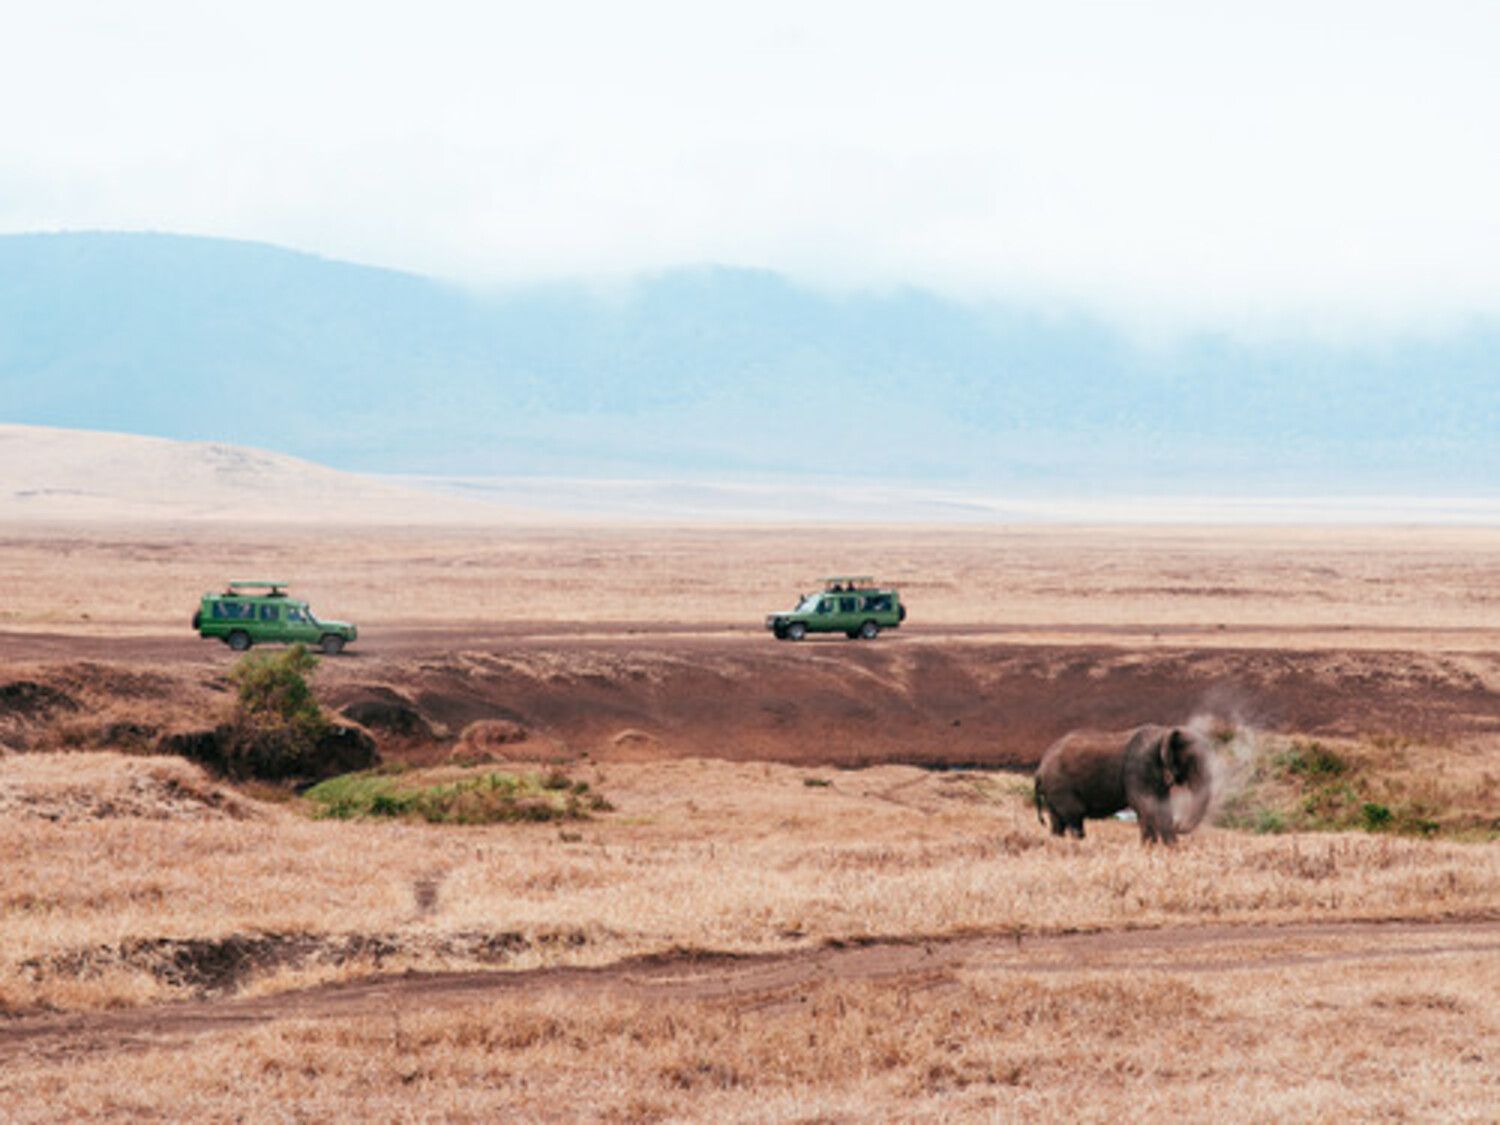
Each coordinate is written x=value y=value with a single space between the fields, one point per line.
x=1174 y=755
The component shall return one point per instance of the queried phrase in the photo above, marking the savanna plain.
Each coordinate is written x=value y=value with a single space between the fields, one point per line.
x=613 y=852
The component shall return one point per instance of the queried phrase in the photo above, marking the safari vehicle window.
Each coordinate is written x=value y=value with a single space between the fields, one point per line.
x=232 y=611
x=825 y=606
x=807 y=604
x=847 y=605
x=268 y=613
x=293 y=613
x=878 y=603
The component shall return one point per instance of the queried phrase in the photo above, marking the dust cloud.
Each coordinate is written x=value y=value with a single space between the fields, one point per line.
x=1237 y=745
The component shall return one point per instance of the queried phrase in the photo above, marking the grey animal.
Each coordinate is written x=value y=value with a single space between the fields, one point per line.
x=1164 y=773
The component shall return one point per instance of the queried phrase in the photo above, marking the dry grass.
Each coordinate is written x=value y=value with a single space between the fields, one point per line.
x=1426 y=584
x=701 y=854
x=85 y=788
x=121 y=871
x=1380 y=1040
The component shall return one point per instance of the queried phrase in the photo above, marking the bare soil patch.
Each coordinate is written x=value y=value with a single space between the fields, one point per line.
x=907 y=700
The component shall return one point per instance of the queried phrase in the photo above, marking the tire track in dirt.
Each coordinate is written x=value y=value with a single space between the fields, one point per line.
x=768 y=979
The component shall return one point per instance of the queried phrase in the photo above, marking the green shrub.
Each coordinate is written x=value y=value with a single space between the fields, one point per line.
x=277 y=722
x=1311 y=760
x=273 y=692
x=1376 y=816
x=1310 y=788
x=1269 y=822
x=277 y=732
x=489 y=798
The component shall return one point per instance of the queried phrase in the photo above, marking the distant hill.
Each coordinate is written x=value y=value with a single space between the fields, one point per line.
x=52 y=474
x=710 y=372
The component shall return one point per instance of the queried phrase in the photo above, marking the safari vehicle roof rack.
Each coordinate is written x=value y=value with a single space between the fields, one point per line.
x=848 y=582
x=244 y=585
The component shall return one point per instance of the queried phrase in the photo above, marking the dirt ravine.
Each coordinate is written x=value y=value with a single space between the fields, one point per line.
x=770 y=979
x=924 y=698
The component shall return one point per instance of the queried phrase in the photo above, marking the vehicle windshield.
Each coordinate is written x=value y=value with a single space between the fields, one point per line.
x=808 y=604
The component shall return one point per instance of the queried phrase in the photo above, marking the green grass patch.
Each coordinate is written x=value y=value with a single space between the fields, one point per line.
x=487 y=798
x=1310 y=760
x=1311 y=787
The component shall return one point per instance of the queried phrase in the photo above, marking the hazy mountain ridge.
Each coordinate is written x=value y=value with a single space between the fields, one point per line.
x=708 y=370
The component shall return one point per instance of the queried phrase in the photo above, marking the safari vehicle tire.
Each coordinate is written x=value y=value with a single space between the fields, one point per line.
x=796 y=631
x=869 y=631
x=780 y=632
x=239 y=640
x=332 y=644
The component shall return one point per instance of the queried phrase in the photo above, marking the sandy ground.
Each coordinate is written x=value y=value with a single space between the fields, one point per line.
x=867 y=908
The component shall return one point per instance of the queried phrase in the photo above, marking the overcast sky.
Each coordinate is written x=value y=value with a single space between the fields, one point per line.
x=1312 y=163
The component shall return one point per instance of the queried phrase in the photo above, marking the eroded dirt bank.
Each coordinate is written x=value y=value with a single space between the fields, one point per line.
x=929 y=700
x=769 y=979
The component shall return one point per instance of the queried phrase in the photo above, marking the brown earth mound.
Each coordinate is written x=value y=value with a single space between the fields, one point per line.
x=935 y=702
x=929 y=703
x=82 y=787
x=387 y=711
x=246 y=755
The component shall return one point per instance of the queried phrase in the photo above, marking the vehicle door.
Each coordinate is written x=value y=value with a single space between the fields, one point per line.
x=267 y=618
x=825 y=616
x=298 y=623
x=848 y=612
x=878 y=607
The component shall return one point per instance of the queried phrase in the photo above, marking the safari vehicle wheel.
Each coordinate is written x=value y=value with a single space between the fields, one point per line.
x=239 y=640
x=869 y=630
x=332 y=644
x=796 y=631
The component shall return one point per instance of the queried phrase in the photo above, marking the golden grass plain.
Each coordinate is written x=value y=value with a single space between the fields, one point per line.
x=1430 y=587
x=1380 y=1040
x=124 y=872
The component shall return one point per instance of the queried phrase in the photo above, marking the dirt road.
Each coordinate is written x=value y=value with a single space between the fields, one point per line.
x=771 y=979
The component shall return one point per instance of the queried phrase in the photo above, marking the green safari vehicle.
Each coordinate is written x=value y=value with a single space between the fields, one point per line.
x=251 y=613
x=856 y=607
